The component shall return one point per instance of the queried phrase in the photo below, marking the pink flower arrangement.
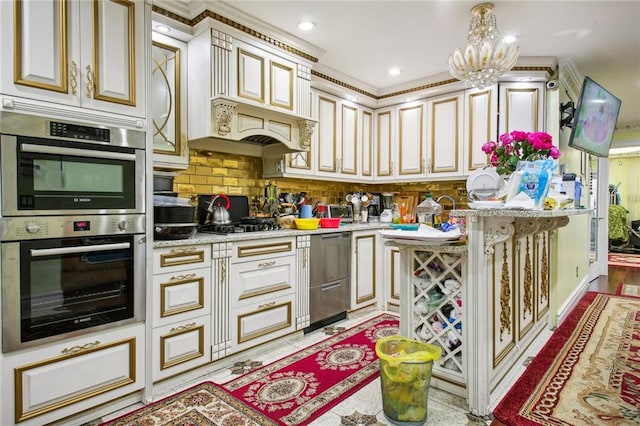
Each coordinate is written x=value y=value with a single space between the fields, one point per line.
x=519 y=146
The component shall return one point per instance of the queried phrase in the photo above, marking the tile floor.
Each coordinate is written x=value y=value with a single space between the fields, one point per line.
x=361 y=409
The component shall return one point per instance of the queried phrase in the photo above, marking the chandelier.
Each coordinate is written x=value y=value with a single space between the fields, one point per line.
x=487 y=56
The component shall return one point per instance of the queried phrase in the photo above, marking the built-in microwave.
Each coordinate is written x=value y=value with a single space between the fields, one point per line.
x=50 y=167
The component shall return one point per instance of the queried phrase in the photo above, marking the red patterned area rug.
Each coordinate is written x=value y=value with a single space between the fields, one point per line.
x=588 y=373
x=294 y=390
x=624 y=259
x=302 y=386
x=630 y=290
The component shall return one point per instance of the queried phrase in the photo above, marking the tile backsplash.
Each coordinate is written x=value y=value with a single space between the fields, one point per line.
x=212 y=172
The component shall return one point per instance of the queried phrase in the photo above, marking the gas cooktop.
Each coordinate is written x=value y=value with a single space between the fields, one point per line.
x=263 y=224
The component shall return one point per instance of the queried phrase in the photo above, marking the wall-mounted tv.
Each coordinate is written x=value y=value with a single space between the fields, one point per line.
x=594 y=119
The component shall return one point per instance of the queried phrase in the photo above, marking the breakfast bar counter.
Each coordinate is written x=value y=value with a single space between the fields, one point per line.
x=484 y=300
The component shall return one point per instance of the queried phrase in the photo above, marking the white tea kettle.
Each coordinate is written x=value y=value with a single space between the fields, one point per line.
x=219 y=213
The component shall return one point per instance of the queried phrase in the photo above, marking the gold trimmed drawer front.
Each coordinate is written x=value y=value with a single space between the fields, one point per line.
x=180 y=296
x=181 y=346
x=174 y=259
x=65 y=379
x=262 y=322
x=263 y=249
x=273 y=276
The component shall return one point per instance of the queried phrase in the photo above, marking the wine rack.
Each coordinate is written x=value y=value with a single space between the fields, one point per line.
x=437 y=286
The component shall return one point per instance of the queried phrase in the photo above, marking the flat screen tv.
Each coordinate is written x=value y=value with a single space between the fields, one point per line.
x=594 y=119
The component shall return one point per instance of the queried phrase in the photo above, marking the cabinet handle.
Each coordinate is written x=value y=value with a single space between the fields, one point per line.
x=74 y=78
x=182 y=277
x=266 y=305
x=429 y=165
x=223 y=273
x=90 y=82
x=75 y=349
x=182 y=327
x=184 y=250
x=391 y=168
x=266 y=264
x=304 y=258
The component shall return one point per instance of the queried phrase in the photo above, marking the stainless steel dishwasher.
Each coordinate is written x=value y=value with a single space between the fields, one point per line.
x=330 y=273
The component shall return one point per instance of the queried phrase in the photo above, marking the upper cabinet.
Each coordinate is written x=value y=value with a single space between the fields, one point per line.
x=168 y=106
x=480 y=110
x=445 y=135
x=522 y=107
x=88 y=54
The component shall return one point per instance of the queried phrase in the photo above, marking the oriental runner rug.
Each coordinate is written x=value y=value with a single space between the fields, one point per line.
x=624 y=259
x=630 y=290
x=294 y=390
x=588 y=373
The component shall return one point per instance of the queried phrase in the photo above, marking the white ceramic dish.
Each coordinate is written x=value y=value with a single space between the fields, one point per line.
x=484 y=183
x=487 y=205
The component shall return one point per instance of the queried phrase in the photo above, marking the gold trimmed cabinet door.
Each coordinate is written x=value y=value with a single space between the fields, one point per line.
x=89 y=54
x=168 y=103
x=365 y=247
x=444 y=135
x=47 y=384
x=480 y=107
x=391 y=277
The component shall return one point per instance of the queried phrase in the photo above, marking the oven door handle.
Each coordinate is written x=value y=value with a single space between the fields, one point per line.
x=78 y=249
x=76 y=152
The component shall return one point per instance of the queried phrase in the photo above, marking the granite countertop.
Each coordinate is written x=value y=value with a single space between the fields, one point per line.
x=517 y=213
x=204 y=238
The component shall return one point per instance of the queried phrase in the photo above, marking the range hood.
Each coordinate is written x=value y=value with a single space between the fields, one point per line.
x=238 y=126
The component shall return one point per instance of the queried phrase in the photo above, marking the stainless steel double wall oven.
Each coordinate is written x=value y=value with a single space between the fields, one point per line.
x=72 y=233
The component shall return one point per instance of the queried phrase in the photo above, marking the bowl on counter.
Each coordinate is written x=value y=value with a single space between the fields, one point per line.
x=330 y=222
x=307 y=223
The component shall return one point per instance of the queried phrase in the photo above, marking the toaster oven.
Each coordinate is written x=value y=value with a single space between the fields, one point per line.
x=345 y=211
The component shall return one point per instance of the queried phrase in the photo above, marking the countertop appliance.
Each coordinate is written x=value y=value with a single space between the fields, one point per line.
x=344 y=211
x=330 y=276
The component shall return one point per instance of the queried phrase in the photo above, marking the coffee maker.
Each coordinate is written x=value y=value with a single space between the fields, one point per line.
x=387 y=200
x=373 y=209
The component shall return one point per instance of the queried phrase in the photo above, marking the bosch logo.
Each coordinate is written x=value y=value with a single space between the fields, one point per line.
x=81 y=200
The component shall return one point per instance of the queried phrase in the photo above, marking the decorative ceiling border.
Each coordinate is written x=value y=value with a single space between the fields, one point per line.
x=281 y=45
x=209 y=14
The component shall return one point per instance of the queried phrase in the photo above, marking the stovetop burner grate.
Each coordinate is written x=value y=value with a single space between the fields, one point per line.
x=231 y=228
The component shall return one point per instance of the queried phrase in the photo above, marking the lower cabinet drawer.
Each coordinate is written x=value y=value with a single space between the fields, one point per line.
x=178 y=297
x=44 y=385
x=181 y=346
x=257 y=323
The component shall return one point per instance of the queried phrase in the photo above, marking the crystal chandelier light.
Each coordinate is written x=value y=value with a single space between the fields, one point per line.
x=487 y=56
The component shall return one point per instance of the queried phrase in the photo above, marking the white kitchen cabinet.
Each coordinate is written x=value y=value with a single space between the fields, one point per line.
x=411 y=137
x=444 y=135
x=480 y=111
x=181 y=309
x=263 y=295
x=341 y=147
x=400 y=143
x=364 y=268
x=168 y=105
x=391 y=277
x=384 y=142
x=88 y=54
x=45 y=385
x=521 y=107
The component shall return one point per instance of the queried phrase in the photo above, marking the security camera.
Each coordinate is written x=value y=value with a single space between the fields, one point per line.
x=552 y=84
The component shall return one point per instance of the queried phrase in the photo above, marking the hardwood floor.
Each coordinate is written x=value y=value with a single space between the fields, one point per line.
x=616 y=275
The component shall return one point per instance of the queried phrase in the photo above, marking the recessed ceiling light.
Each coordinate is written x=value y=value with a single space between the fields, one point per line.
x=306 y=25
x=394 y=71
x=163 y=29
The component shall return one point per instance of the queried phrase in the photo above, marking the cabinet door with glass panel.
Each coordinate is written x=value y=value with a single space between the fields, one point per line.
x=168 y=108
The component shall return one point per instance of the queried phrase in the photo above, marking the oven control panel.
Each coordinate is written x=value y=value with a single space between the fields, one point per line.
x=39 y=227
